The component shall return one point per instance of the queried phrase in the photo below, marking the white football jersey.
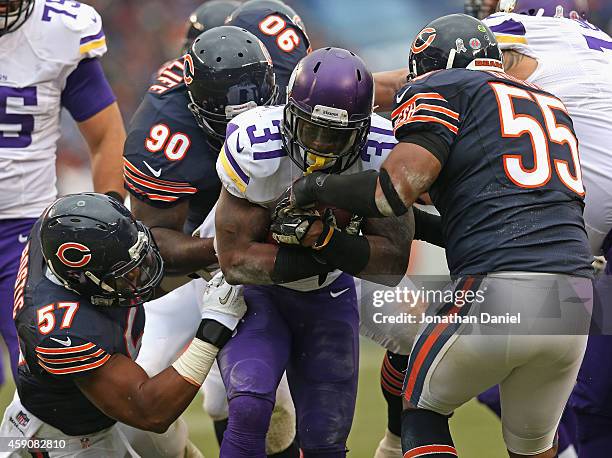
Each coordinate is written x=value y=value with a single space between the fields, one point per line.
x=253 y=164
x=575 y=64
x=35 y=61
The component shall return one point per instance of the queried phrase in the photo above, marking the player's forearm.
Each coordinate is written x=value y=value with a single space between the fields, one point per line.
x=106 y=149
x=250 y=264
x=386 y=84
x=182 y=253
x=264 y=264
x=381 y=255
x=159 y=401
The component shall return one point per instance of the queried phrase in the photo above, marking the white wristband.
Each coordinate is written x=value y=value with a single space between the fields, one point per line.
x=195 y=363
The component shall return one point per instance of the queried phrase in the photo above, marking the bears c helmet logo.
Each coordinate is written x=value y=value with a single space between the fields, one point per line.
x=85 y=254
x=423 y=40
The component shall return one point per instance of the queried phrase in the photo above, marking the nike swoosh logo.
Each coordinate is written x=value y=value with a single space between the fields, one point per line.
x=338 y=293
x=399 y=98
x=156 y=173
x=22 y=238
x=65 y=343
x=238 y=149
x=226 y=298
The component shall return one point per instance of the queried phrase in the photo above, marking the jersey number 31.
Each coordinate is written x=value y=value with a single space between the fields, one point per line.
x=516 y=125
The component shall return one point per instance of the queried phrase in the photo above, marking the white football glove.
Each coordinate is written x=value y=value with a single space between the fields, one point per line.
x=223 y=302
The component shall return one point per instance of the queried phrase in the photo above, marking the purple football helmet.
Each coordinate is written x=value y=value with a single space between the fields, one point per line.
x=329 y=105
x=573 y=9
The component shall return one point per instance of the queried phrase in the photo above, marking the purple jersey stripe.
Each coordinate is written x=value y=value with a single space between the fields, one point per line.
x=231 y=128
x=269 y=154
x=510 y=26
x=379 y=130
x=236 y=167
x=89 y=38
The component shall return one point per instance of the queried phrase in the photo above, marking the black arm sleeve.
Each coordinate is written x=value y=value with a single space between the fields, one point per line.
x=430 y=141
x=355 y=193
x=296 y=263
x=428 y=227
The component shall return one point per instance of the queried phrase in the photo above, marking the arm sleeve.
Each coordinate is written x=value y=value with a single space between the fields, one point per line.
x=425 y=115
x=87 y=91
x=70 y=356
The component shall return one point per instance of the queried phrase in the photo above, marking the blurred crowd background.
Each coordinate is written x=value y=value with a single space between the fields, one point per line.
x=142 y=34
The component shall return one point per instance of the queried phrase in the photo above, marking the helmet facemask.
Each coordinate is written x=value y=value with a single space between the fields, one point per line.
x=133 y=283
x=323 y=140
x=215 y=123
x=13 y=14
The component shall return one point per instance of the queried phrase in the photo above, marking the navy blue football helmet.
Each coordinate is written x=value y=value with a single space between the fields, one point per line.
x=95 y=247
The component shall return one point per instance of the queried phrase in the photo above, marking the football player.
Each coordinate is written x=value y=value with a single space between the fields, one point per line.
x=542 y=40
x=208 y=15
x=50 y=56
x=85 y=272
x=303 y=308
x=228 y=70
x=483 y=144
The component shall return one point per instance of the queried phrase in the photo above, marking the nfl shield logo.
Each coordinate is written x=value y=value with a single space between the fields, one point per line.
x=22 y=418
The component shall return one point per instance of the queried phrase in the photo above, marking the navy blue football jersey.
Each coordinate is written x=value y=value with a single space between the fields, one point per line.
x=167 y=156
x=62 y=336
x=286 y=42
x=510 y=190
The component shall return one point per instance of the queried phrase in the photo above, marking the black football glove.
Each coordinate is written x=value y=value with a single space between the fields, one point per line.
x=291 y=224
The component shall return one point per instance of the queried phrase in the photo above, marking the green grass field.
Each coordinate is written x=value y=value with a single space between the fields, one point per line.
x=476 y=431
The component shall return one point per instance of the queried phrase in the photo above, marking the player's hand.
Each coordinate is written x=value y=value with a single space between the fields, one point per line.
x=223 y=302
x=303 y=193
x=291 y=225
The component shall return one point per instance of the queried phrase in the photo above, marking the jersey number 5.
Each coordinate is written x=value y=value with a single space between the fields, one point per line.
x=46 y=317
x=516 y=125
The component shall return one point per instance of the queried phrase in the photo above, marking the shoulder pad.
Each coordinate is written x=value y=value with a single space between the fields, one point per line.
x=68 y=31
x=252 y=153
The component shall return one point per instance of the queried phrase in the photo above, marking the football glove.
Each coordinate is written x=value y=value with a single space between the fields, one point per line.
x=223 y=302
x=291 y=224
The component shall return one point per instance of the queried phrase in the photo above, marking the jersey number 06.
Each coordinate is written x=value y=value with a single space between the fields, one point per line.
x=516 y=125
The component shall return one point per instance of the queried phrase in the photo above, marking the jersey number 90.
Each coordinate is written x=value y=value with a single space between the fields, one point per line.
x=287 y=39
x=175 y=146
x=516 y=125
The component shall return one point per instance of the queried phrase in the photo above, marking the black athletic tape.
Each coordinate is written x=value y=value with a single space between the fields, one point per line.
x=428 y=227
x=295 y=263
x=355 y=193
x=349 y=253
x=393 y=198
x=213 y=332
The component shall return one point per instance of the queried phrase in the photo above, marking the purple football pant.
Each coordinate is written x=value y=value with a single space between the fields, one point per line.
x=591 y=399
x=314 y=336
x=567 y=425
x=13 y=235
